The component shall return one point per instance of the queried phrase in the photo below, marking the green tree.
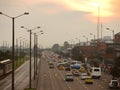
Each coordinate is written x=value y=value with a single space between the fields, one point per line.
x=66 y=45
x=116 y=68
x=56 y=47
x=77 y=54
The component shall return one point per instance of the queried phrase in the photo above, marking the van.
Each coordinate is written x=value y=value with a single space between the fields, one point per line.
x=95 y=72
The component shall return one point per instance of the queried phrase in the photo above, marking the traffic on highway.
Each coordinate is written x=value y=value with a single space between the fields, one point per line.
x=59 y=45
x=68 y=74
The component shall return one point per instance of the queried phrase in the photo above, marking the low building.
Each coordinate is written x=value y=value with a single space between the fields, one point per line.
x=117 y=41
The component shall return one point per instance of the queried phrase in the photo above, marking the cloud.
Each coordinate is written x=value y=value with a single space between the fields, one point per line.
x=115 y=8
x=108 y=8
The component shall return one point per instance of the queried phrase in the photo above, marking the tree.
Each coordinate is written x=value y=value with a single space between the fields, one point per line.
x=56 y=47
x=116 y=68
x=77 y=54
x=66 y=45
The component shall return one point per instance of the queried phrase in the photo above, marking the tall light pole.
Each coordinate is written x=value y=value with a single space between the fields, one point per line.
x=112 y=32
x=113 y=41
x=86 y=38
x=17 y=51
x=98 y=23
x=13 y=39
x=78 y=41
x=30 y=31
x=41 y=32
x=22 y=49
x=35 y=52
x=93 y=36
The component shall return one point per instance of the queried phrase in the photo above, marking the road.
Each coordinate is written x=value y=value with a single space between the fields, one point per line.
x=21 y=78
x=53 y=79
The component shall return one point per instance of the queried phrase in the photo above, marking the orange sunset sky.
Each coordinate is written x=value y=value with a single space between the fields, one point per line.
x=61 y=20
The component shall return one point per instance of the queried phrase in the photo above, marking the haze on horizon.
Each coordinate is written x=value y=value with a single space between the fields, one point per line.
x=61 y=20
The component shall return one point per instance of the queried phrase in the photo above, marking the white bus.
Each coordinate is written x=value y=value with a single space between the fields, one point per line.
x=95 y=72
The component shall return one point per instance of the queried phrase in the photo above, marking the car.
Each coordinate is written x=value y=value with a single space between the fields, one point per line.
x=84 y=76
x=89 y=80
x=76 y=73
x=60 y=67
x=51 y=65
x=69 y=76
x=58 y=63
x=114 y=84
x=82 y=69
x=76 y=66
x=49 y=62
x=67 y=68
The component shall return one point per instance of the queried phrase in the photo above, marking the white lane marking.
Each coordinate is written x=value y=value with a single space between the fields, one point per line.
x=53 y=87
x=63 y=79
x=83 y=85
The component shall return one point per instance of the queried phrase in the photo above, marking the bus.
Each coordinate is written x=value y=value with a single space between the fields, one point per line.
x=95 y=72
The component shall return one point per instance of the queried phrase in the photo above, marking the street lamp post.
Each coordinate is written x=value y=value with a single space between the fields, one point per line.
x=113 y=42
x=35 y=53
x=86 y=38
x=3 y=46
x=37 y=48
x=78 y=41
x=30 y=30
x=93 y=36
x=13 y=37
x=112 y=32
x=17 y=51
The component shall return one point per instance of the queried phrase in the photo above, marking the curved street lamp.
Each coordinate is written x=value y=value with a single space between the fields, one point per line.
x=35 y=51
x=30 y=30
x=13 y=37
x=112 y=32
x=40 y=33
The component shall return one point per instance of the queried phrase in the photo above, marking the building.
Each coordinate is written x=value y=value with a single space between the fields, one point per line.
x=117 y=37
x=117 y=46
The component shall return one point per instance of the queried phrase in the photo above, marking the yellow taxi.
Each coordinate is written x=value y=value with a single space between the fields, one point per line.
x=61 y=67
x=89 y=80
x=49 y=62
x=82 y=69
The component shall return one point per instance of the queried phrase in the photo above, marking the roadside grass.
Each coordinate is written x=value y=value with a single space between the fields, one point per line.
x=19 y=62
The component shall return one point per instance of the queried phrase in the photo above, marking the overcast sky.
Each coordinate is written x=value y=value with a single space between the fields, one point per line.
x=61 y=20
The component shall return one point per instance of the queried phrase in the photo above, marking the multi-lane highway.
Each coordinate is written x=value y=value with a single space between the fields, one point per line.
x=54 y=79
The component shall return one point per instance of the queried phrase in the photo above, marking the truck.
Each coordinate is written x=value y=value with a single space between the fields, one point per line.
x=95 y=72
x=114 y=84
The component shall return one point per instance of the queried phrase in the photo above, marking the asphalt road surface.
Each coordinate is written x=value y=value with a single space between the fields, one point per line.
x=54 y=79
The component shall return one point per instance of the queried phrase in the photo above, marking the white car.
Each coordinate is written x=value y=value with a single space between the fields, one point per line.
x=114 y=84
x=69 y=77
x=84 y=76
